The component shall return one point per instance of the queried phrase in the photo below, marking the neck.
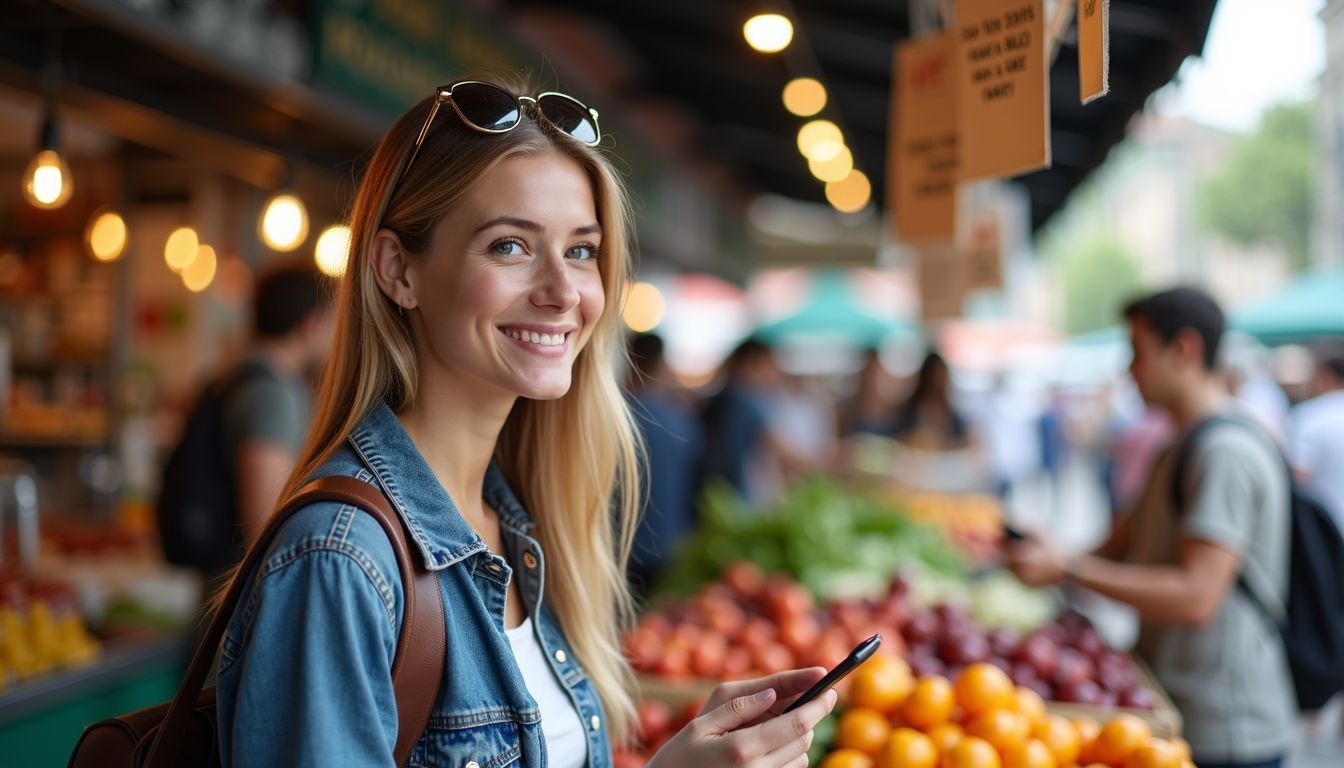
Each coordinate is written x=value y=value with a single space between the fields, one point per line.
x=456 y=433
x=284 y=354
x=1197 y=402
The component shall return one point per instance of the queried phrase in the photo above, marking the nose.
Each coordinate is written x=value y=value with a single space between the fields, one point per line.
x=553 y=286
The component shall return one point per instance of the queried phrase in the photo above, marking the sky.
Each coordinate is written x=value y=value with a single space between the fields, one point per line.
x=1258 y=53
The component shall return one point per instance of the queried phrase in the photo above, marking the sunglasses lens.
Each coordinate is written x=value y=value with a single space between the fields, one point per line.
x=569 y=116
x=486 y=107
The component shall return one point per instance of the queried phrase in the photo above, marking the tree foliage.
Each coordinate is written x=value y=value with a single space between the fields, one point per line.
x=1264 y=194
x=1099 y=277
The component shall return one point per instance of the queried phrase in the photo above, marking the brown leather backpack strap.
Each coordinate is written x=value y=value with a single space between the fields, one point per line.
x=417 y=670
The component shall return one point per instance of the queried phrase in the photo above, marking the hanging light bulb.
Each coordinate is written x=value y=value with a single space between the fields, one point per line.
x=333 y=250
x=106 y=236
x=804 y=96
x=46 y=180
x=645 y=307
x=197 y=275
x=768 y=32
x=284 y=222
x=181 y=248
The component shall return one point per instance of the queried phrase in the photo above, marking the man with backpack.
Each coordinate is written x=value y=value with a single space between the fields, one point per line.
x=241 y=438
x=1204 y=555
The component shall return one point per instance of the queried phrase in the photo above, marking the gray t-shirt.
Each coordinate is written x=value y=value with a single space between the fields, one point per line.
x=1229 y=679
x=271 y=407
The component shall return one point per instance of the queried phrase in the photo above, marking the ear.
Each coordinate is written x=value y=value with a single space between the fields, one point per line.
x=1190 y=346
x=391 y=268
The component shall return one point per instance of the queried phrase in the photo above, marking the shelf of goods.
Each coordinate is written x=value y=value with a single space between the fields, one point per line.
x=99 y=627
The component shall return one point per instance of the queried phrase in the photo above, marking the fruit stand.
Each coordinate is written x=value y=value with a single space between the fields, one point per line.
x=717 y=618
x=97 y=627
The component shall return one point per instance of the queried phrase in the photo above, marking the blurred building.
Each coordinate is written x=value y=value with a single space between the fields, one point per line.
x=1146 y=197
x=1328 y=243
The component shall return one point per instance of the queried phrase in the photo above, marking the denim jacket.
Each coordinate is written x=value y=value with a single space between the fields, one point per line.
x=305 y=665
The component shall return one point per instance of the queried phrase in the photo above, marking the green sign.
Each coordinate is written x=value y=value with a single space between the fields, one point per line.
x=389 y=54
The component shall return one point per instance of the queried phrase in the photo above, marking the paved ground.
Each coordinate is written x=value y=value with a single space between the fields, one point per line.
x=1077 y=516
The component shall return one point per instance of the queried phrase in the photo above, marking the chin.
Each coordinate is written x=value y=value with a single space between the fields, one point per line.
x=544 y=390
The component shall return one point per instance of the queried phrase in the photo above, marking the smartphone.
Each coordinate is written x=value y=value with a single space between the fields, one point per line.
x=861 y=653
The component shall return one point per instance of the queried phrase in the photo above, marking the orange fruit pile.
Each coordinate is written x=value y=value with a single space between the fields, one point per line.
x=980 y=720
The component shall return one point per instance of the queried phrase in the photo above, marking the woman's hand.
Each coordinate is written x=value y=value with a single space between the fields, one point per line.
x=741 y=725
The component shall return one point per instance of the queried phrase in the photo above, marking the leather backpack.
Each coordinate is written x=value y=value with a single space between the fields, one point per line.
x=184 y=731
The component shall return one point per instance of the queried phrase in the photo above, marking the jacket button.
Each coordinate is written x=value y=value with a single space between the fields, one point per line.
x=596 y=722
x=530 y=560
x=560 y=656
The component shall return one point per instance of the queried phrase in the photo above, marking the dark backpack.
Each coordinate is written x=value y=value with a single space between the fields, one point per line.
x=198 y=493
x=1313 y=626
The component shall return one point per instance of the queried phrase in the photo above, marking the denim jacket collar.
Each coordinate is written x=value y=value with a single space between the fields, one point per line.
x=435 y=523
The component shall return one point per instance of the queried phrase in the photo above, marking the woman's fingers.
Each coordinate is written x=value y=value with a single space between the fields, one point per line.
x=786 y=731
x=794 y=682
x=787 y=686
x=797 y=762
x=790 y=752
x=738 y=711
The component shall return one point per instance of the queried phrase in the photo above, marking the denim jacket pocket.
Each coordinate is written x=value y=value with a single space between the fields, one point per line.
x=490 y=739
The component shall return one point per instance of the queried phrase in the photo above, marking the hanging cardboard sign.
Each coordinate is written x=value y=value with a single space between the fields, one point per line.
x=1004 y=106
x=941 y=280
x=983 y=254
x=1094 y=49
x=922 y=153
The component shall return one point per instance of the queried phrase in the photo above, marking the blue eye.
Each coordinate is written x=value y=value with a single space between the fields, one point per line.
x=582 y=252
x=507 y=247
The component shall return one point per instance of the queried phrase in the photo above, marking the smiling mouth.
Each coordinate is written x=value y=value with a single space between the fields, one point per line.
x=533 y=337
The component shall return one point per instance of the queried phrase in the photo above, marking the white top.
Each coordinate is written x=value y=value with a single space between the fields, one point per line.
x=566 y=742
x=1316 y=447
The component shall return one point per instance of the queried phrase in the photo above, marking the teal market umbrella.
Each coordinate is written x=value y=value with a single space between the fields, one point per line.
x=1310 y=306
x=832 y=314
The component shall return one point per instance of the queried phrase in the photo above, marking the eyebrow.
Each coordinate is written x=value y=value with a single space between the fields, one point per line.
x=532 y=226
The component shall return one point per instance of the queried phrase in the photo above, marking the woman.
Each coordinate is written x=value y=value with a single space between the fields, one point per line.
x=471 y=380
x=927 y=419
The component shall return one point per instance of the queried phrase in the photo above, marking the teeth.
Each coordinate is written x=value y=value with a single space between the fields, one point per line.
x=541 y=339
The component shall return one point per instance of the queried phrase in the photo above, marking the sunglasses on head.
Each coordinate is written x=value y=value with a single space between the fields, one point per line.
x=491 y=109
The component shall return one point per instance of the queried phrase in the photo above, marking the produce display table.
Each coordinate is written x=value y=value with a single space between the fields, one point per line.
x=41 y=719
x=1163 y=718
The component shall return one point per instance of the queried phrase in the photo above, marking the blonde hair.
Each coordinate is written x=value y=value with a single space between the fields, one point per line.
x=584 y=506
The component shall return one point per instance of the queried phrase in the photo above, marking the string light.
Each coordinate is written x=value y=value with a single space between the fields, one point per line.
x=284 y=222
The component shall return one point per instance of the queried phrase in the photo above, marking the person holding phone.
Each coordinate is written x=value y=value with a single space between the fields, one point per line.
x=471 y=379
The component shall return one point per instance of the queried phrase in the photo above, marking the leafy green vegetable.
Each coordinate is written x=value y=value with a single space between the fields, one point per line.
x=837 y=542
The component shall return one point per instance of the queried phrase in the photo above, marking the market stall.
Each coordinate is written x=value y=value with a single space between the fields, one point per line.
x=758 y=591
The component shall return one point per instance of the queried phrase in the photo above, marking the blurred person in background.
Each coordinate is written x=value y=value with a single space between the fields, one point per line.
x=928 y=419
x=673 y=439
x=243 y=436
x=1222 y=662
x=1316 y=437
x=871 y=409
x=744 y=446
x=803 y=414
x=1055 y=440
x=267 y=419
x=472 y=381
x=1008 y=425
x=1260 y=397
